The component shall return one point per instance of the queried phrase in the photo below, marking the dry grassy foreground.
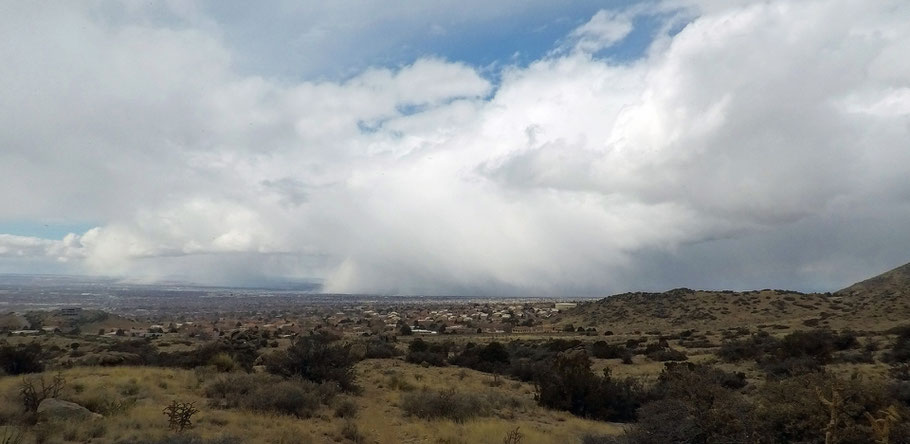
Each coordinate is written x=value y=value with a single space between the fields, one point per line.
x=142 y=392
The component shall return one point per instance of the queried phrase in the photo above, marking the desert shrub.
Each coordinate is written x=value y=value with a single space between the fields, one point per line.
x=603 y=350
x=138 y=351
x=180 y=415
x=796 y=353
x=420 y=351
x=493 y=357
x=814 y=344
x=513 y=436
x=298 y=398
x=524 y=369
x=381 y=350
x=315 y=359
x=846 y=340
x=22 y=359
x=855 y=357
x=560 y=345
x=241 y=347
x=794 y=409
x=222 y=362
x=350 y=432
x=900 y=349
x=568 y=383
x=346 y=409
x=900 y=392
x=698 y=404
x=667 y=354
x=33 y=390
x=754 y=347
x=729 y=419
x=790 y=366
x=446 y=404
x=688 y=376
x=268 y=393
x=901 y=372
x=396 y=382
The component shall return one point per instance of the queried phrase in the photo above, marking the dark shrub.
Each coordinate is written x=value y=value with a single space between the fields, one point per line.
x=21 y=359
x=793 y=409
x=602 y=350
x=420 y=351
x=346 y=409
x=569 y=384
x=559 y=345
x=696 y=404
x=298 y=398
x=241 y=347
x=381 y=350
x=900 y=350
x=729 y=419
x=141 y=350
x=667 y=354
x=754 y=347
x=814 y=344
x=313 y=358
x=491 y=358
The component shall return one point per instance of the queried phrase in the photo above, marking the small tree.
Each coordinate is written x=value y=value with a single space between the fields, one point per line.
x=180 y=414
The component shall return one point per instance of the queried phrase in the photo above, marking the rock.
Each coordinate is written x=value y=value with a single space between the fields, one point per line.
x=52 y=409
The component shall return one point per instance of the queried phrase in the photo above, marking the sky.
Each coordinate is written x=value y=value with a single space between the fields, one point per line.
x=506 y=148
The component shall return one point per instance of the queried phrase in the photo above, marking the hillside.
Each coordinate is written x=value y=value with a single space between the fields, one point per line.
x=874 y=304
x=891 y=287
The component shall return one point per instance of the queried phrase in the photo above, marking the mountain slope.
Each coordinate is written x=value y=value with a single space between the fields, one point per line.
x=895 y=282
x=875 y=304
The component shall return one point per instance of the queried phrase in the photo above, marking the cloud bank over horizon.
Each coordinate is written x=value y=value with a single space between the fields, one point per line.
x=750 y=144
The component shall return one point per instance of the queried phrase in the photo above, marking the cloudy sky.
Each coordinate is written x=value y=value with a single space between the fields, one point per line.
x=457 y=147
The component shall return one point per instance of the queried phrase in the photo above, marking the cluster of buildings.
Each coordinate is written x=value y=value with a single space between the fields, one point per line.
x=352 y=319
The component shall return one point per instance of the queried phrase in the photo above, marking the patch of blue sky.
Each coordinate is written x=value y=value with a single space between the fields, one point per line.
x=43 y=229
x=294 y=47
x=635 y=45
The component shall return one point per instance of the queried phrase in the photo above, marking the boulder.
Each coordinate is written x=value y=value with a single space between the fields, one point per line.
x=52 y=409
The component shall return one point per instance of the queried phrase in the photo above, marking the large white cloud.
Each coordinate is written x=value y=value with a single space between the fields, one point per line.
x=750 y=126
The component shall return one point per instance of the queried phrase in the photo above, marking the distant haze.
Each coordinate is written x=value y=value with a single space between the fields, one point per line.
x=457 y=148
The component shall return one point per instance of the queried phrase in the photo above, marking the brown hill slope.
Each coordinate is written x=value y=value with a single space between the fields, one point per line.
x=875 y=304
x=887 y=294
x=895 y=282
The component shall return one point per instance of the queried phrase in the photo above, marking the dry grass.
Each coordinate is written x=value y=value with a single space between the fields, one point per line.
x=144 y=391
